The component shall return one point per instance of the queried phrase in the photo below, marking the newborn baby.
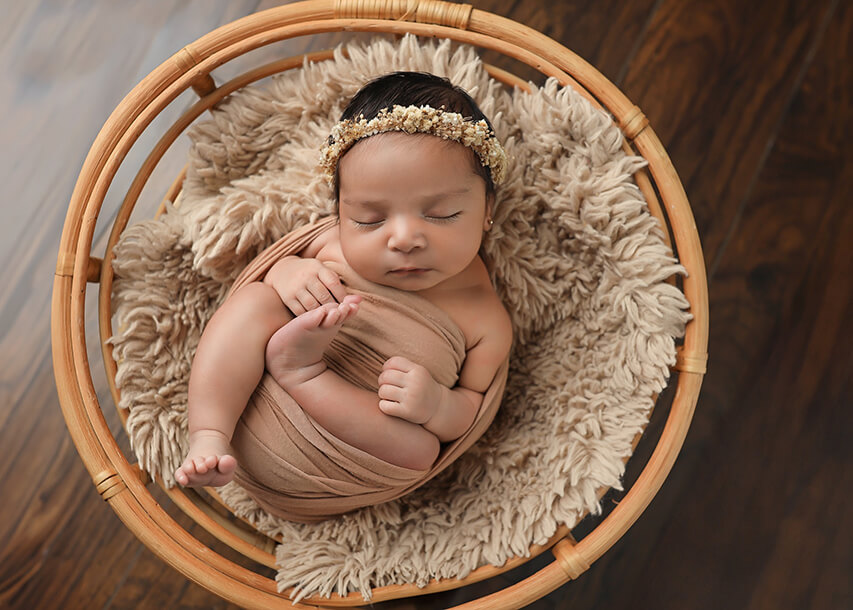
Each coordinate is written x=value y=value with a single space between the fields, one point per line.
x=413 y=164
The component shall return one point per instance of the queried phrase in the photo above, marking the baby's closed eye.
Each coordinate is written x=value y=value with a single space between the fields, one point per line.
x=432 y=217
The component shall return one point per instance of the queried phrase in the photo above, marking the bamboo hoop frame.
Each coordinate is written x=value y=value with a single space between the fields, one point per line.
x=123 y=485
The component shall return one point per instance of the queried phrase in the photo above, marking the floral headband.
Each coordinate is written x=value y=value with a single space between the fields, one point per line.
x=476 y=135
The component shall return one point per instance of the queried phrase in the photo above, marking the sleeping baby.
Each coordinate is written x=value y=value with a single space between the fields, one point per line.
x=359 y=355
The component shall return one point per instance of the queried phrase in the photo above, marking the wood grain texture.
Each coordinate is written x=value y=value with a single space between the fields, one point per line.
x=701 y=61
x=753 y=102
x=603 y=33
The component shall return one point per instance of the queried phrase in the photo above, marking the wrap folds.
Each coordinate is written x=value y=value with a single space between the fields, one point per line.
x=297 y=470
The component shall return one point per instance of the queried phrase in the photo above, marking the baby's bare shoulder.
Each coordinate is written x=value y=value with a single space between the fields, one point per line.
x=319 y=247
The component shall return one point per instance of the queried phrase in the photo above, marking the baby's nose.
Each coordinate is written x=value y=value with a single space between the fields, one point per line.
x=405 y=235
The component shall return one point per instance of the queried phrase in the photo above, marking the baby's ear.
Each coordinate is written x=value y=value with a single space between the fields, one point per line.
x=490 y=206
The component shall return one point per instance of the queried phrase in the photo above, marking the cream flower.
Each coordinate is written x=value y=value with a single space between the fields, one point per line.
x=476 y=135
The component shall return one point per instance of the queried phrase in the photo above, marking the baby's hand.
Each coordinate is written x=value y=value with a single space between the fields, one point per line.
x=304 y=284
x=408 y=391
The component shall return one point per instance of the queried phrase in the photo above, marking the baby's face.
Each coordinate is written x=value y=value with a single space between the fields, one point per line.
x=412 y=211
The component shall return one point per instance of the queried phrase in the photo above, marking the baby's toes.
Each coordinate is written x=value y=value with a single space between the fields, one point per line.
x=311 y=319
x=200 y=464
x=227 y=464
x=186 y=472
x=332 y=318
x=351 y=309
x=188 y=467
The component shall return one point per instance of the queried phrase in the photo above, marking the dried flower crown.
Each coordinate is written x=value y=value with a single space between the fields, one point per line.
x=476 y=135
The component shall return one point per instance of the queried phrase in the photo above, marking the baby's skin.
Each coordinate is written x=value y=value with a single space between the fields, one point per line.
x=399 y=227
x=294 y=356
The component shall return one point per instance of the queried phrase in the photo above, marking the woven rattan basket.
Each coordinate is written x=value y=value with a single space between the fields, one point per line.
x=124 y=486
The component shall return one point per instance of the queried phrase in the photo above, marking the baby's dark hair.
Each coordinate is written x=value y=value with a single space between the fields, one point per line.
x=417 y=89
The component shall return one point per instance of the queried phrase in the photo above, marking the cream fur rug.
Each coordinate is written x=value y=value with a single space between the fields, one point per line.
x=578 y=261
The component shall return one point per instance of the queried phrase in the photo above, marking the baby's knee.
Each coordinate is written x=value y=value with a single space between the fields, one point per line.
x=262 y=304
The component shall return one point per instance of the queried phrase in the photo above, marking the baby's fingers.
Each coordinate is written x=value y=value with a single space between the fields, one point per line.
x=295 y=307
x=391 y=392
x=306 y=300
x=398 y=363
x=392 y=376
x=319 y=291
x=392 y=408
x=332 y=282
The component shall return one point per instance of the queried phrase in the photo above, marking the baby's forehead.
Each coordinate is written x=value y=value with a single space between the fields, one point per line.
x=416 y=146
x=407 y=141
x=429 y=197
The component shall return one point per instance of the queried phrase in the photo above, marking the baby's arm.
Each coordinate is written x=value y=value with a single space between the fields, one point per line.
x=407 y=390
x=227 y=366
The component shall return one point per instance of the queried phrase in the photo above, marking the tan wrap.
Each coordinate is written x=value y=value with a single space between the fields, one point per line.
x=297 y=470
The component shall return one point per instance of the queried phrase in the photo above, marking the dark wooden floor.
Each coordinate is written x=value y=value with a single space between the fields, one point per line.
x=753 y=102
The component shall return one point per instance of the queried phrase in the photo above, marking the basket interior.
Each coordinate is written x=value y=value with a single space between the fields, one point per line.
x=163 y=159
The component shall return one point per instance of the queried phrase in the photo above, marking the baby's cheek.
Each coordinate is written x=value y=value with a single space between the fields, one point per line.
x=359 y=251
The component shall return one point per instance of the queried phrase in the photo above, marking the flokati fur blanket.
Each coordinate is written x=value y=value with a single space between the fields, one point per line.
x=577 y=259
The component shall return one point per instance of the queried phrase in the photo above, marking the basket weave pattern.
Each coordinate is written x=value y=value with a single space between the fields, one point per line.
x=123 y=484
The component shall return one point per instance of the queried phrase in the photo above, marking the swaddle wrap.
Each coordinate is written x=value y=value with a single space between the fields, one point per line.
x=293 y=467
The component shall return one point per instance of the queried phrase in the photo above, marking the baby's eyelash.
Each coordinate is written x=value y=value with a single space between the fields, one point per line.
x=365 y=225
x=376 y=223
x=450 y=218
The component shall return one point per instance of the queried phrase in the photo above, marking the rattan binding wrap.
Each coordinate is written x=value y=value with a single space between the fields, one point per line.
x=120 y=482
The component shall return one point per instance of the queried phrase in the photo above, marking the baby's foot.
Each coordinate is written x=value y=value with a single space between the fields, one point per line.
x=209 y=461
x=294 y=353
